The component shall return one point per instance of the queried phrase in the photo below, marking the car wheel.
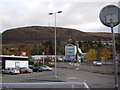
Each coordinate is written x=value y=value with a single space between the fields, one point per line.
x=11 y=73
x=41 y=70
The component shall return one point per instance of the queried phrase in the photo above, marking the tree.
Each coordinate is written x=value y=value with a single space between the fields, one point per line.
x=28 y=49
x=11 y=52
x=106 y=53
x=51 y=47
x=6 y=52
x=91 y=54
x=71 y=41
x=97 y=54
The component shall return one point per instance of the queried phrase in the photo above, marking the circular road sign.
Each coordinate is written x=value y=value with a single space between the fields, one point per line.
x=110 y=15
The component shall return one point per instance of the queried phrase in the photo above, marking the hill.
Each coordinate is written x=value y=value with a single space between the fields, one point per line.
x=33 y=34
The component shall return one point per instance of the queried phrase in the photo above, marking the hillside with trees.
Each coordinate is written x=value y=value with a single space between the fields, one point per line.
x=35 y=34
x=36 y=39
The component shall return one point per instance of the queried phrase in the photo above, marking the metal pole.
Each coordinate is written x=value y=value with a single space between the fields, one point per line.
x=43 y=58
x=77 y=53
x=114 y=55
x=55 y=42
x=55 y=50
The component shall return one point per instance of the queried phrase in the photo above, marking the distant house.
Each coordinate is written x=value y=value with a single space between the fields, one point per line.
x=14 y=61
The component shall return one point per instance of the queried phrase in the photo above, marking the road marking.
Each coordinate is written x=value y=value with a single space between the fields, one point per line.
x=71 y=78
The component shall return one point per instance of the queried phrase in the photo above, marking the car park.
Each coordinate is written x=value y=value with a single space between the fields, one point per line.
x=46 y=68
x=97 y=63
x=10 y=71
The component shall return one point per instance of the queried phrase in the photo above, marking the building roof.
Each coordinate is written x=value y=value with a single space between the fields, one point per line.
x=13 y=56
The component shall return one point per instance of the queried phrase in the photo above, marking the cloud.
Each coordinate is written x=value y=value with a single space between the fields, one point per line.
x=79 y=15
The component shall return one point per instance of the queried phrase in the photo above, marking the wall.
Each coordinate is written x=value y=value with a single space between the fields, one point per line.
x=16 y=63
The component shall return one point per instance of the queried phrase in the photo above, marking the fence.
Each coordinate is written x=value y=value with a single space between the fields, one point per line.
x=51 y=86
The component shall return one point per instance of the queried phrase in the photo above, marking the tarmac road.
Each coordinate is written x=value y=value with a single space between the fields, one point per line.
x=94 y=80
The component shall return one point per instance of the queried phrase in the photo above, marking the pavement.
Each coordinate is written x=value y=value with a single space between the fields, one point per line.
x=104 y=69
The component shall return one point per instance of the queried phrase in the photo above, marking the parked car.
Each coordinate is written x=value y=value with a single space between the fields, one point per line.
x=97 y=63
x=21 y=70
x=37 y=69
x=30 y=66
x=10 y=71
x=46 y=68
x=27 y=70
x=52 y=63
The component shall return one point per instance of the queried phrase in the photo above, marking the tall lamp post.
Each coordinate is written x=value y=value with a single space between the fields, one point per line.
x=55 y=41
x=43 y=58
x=77 y=44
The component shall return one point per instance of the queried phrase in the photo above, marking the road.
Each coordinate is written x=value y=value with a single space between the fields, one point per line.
x=94 y=80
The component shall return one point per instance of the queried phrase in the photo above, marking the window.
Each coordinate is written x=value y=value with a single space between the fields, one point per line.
x=17 y=64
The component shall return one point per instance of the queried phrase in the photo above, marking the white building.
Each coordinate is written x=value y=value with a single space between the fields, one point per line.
x=14 y=61
x=70 y=51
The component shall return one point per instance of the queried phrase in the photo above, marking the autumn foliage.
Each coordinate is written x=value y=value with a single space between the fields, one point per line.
x=106 y=53
x=93 y=54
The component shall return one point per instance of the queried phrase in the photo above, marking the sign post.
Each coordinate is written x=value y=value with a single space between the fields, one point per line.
x=110 y=17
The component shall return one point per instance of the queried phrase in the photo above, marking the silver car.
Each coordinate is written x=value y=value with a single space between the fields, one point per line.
x=10 y=71
x=97 y=63
x=46 y=68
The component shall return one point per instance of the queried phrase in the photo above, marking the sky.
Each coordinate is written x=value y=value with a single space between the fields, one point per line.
x=82 y=15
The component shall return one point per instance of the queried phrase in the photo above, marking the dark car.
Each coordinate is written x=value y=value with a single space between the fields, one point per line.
x=37 y=69
x=30 y=66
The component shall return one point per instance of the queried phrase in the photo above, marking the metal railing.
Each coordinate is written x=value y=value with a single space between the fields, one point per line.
x=78 y=85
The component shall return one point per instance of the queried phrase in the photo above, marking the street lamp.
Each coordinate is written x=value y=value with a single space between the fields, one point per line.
x=43 y=58
x=77 y=44
x=55 y=41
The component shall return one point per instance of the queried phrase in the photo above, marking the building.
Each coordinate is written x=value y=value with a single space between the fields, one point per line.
x=48 y=57
x=70 y=52
x=14 y=61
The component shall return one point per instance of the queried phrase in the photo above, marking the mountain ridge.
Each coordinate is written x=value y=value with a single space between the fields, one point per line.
x=32 y=34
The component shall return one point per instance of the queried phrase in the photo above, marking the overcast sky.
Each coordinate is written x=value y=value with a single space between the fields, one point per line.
x=77 y=14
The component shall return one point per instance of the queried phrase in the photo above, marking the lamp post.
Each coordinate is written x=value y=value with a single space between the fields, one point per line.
x=77 y=44
x=55 y=41
x=43 y=58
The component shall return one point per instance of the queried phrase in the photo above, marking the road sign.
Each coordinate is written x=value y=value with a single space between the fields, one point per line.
x=110 y=17
x=110 y=14
x=23 y=53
